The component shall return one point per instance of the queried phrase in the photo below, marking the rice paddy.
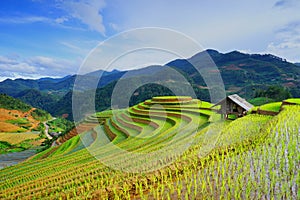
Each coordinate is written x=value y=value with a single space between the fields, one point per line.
x=165 y=148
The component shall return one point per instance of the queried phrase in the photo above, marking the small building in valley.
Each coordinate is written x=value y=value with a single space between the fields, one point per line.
x=234 y=105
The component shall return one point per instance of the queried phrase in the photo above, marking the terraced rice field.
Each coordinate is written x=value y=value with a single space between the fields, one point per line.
x=17 y=121
x=166 y=148
x=15 y=138
x=275 y=107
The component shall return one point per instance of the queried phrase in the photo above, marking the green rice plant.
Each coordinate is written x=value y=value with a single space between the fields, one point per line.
x=293 y=100
x=254 y=157
x=275 y=107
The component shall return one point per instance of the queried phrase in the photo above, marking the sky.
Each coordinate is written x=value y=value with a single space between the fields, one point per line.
x=40 y=38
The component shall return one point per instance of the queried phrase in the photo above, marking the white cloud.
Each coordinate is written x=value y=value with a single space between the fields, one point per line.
x=81 y=48
x=114 y=26
x=6 y=60
x=24 y=19
x=139 y=48
x=57 y=22
x=61 y=20
x=8 y=64
x=287 y=43
x=35 y=67
x=223 y=25
x=53 y=66
x=71 y=46
x=88 y=12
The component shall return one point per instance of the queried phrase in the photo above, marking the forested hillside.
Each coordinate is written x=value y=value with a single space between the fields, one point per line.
x=249 y=75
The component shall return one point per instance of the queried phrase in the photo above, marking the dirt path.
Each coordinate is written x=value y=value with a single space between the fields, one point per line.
x=47 y=130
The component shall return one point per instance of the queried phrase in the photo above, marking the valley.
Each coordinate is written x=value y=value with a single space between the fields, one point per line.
x=22 y=128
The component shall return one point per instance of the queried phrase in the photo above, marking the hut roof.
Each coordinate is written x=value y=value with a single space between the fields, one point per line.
x=241 y=102
x=238 y=100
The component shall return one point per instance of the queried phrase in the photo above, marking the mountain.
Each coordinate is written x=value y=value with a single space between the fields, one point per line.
x=38 y=99
x=298 y=64
x=100 y=72
x=17 y=116
x=10 y=103
x=244 y=74
x=240 y=70
x=59 y=86
x=55 y=80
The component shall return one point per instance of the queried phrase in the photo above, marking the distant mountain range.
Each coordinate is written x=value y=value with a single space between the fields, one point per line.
x=241 y=73
x=58 y=86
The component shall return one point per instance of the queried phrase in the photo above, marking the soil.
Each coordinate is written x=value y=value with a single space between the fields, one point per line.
x=13 y=115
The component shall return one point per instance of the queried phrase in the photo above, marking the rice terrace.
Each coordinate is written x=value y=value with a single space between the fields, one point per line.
x=149 y=100
x=252 y=157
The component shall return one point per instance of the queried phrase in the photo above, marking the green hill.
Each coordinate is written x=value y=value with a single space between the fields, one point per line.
x=11 y=103
x=165 y=148
x=249 y=75
x=20 y=125
x=37 y=99
x=244 y=74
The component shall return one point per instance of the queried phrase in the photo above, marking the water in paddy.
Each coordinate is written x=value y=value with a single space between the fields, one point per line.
x=14 y=158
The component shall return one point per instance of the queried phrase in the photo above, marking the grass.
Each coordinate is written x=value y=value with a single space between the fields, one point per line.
x=59 y=125
x=104 y=114
x=16 y=138
x=170 y=98
x=275 y=107
x=260 y=101
x=224 y=160
x=40 y=115
x=204 y=104
x=120 y=136
x=149 y=130
x=10 y=103
x=6 y=147
x=67 y=146
x=231 y=117
x=295 y=100
x=8 y=127
x=19 y=121
x=253 y=109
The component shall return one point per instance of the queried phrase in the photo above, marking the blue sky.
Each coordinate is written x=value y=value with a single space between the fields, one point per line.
x=52 y=37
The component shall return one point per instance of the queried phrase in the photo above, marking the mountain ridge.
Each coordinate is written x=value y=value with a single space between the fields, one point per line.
x=242 y=73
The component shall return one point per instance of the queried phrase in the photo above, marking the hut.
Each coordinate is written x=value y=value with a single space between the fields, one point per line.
x=234 y=105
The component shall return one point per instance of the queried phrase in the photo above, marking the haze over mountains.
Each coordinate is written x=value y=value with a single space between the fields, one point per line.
x=241 y=73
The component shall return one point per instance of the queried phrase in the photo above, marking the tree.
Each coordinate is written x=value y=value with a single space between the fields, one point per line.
x=275 y=92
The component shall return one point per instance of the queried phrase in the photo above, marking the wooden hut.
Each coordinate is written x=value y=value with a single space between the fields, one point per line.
x=234 y=105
